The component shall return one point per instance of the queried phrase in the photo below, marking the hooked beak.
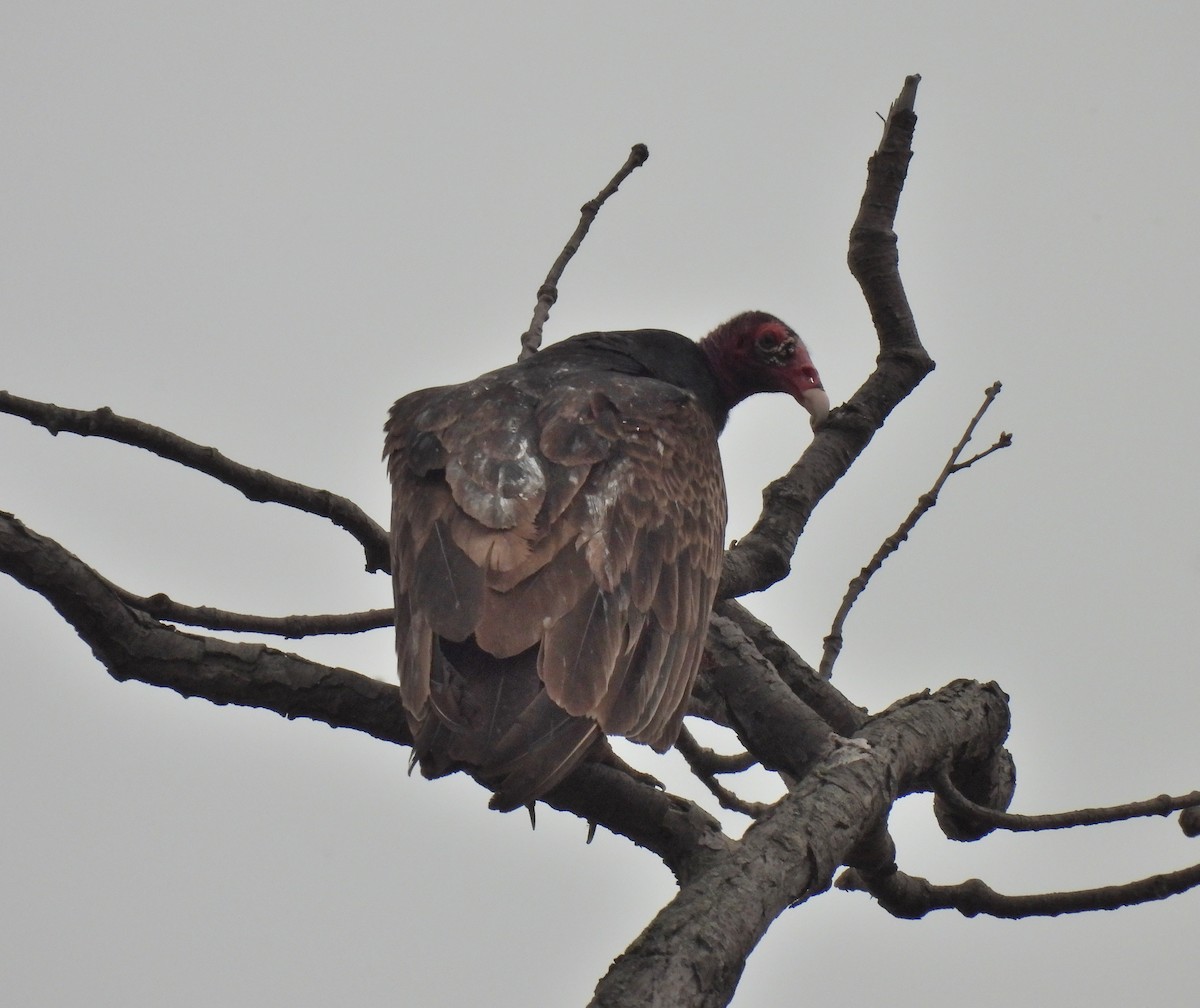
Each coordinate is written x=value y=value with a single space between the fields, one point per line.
x=816 y=401
x=804 y=384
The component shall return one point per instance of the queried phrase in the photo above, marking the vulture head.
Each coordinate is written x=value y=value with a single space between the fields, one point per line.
x=756 y=352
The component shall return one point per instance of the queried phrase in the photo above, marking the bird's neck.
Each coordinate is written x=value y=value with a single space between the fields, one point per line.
x=653 y=353
x=716 y=363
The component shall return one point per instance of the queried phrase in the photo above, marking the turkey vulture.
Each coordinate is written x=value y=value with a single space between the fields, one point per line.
x=557 y=539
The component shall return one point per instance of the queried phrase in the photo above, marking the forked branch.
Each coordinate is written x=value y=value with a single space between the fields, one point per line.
x=954 y=464
x=706 y=764
x=133 y=646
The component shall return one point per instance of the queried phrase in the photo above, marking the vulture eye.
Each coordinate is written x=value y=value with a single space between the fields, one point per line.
x=774 y=347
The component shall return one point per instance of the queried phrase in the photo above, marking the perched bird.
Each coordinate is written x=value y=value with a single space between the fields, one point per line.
x=557 y=539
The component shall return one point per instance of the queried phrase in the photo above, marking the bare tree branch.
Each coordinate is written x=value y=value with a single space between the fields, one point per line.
x=704 y=760
x=706 y=764
x=844 y=770
x=990 y=784
x=829 y=703
x=911 y=897
x=763 y=556
x=782 y=732
x=162 y=607
x=132 y=645
x=548 y=292
x=680 y=832
x=254 y=484
x=1161 y=806
x=694 y=951
x=1189 y=821
x=833 y=641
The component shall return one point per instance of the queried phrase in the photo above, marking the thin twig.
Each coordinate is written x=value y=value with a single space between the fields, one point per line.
x=1160 y=806
x=254 y=484
x=833 y=641
x=163 y=607
x=911 y=897
x=706 y=764
x=548 y=292
x=704 y=760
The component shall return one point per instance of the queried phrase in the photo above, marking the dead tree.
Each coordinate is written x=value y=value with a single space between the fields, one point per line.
x=843 y=768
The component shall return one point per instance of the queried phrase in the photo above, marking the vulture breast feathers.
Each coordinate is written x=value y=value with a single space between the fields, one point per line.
x=557 y=531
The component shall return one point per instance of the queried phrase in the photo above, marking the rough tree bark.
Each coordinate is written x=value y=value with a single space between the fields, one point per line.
x=843 y=769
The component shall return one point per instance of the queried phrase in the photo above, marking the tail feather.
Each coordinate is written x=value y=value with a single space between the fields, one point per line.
x=492 y=717
x=539 y=750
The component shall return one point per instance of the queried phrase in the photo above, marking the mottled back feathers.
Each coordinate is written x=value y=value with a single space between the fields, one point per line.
x=556 y=544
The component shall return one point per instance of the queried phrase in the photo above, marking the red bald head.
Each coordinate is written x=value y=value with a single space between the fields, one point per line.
x=755 y=352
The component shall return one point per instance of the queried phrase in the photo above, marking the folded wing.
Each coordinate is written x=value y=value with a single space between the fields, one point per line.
x=556 y=550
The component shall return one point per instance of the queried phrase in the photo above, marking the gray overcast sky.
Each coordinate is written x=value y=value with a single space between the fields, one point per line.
x=257 y=224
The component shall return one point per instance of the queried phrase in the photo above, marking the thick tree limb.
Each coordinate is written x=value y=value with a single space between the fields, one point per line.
x=773 y=723
x=254 y=484
x=817 y=693
x=132 y=645
x=693 y=952
x=686 y=837
x=763 y=556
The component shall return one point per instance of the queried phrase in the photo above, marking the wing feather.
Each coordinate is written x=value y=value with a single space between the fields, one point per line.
x=448 y=584
x=584 y=518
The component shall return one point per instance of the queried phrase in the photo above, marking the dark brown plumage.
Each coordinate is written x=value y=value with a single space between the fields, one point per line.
x=557 y=532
